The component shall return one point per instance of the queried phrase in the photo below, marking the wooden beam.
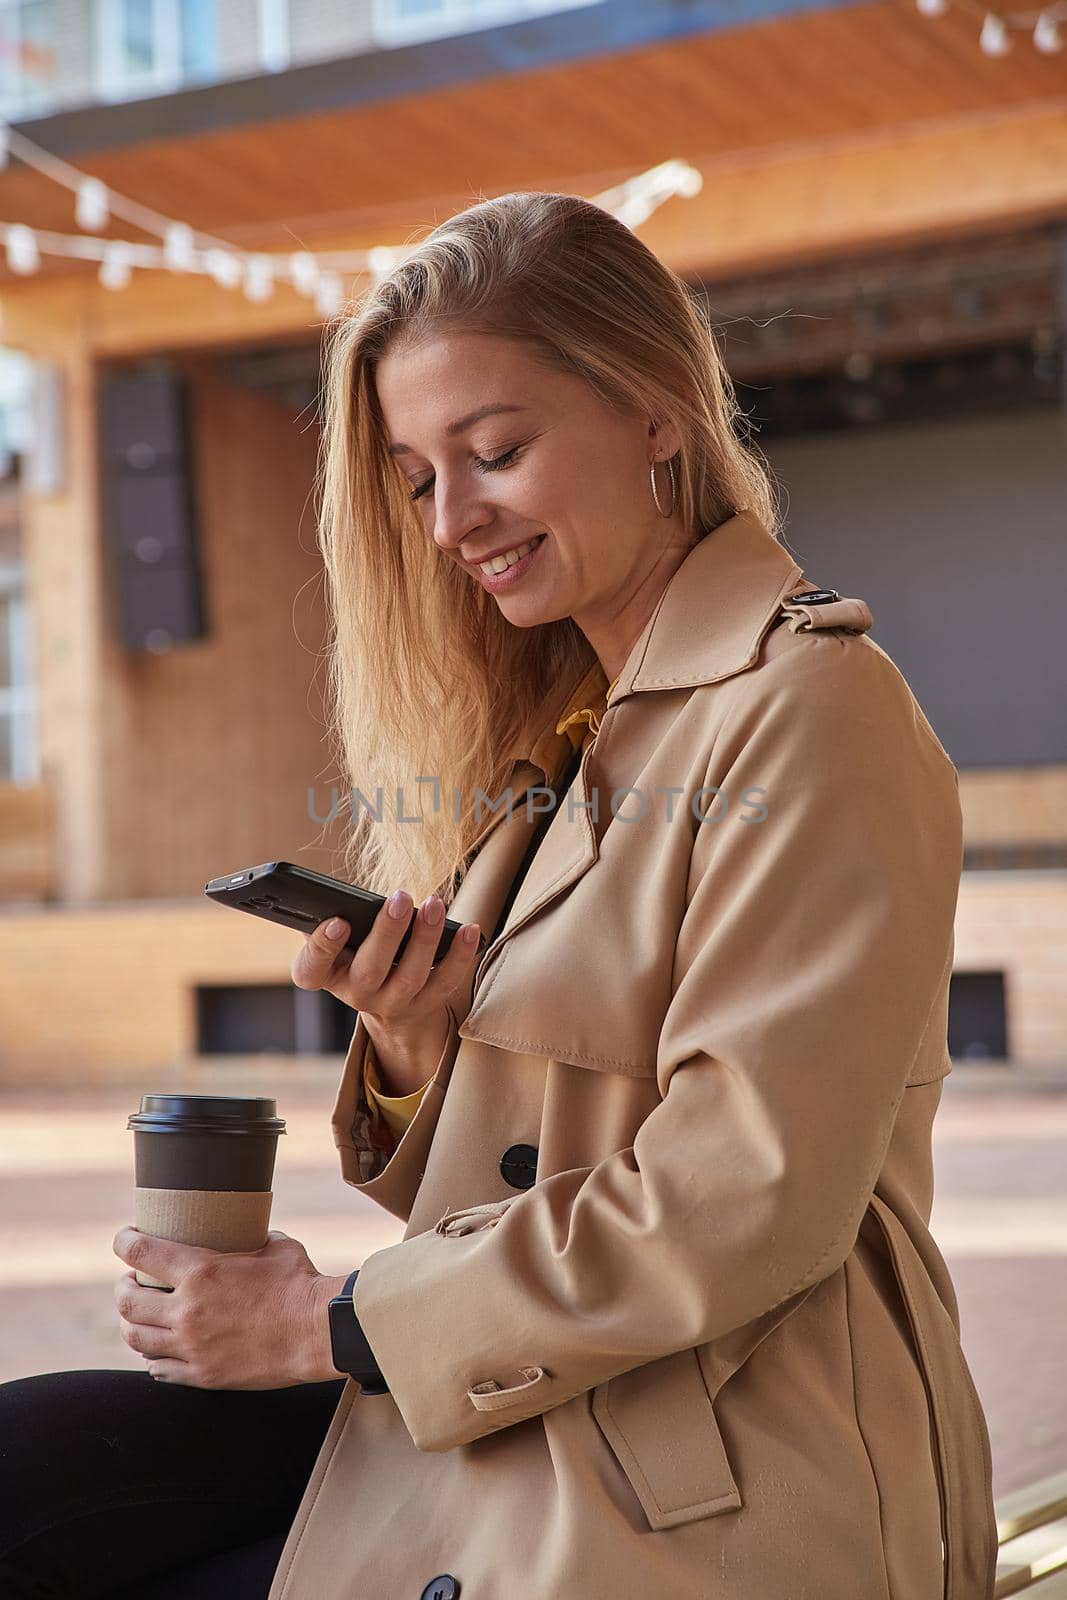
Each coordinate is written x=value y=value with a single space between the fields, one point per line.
x=378 y=75
x=756 y=211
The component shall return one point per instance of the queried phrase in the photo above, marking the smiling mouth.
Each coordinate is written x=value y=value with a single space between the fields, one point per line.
x=500 y=564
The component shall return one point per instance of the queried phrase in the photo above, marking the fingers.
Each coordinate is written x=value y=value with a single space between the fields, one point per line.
x=157 y=1257
x=140 y=1304
x=370 y=981
x=149 y=1341
x=407 y=990
x=313 y=964
x=420 y=952
x=455 y=969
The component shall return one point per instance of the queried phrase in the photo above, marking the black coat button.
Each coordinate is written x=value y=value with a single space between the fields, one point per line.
x=519 y=1165
x=443 y=1588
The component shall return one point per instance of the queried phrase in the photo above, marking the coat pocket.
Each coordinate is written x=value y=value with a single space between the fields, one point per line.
x=659 y=1420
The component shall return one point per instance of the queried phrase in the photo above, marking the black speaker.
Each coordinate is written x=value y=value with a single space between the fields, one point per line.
x=148 y=505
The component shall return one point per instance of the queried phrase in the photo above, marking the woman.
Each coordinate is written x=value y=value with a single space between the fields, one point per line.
x=666 y=1318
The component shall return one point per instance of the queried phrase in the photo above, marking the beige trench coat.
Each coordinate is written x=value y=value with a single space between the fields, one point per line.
x=712 y=1352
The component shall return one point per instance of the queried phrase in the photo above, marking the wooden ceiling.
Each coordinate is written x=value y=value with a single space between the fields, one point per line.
x=873 y=98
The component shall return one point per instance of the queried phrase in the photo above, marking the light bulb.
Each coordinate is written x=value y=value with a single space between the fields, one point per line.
x=330 y=295
x=23 y=255
x=994 y=39
x=224 y=267
x=115 y=268
x=178 y=247
x=304 y=271
x=381 y=259
x=1047 y=35
x=259 y=278
x=91 y=207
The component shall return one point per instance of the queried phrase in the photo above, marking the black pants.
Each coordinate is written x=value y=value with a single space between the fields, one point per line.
x=112 y=1484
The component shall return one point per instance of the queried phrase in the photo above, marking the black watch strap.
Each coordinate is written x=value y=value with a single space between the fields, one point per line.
x=349 y=1346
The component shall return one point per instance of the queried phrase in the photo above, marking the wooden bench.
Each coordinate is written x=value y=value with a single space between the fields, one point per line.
x=1032 y=1541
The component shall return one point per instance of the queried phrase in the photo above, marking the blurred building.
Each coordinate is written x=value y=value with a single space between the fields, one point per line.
x=880 y=236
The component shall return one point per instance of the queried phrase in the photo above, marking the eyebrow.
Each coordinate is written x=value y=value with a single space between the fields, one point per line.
x=461 y=424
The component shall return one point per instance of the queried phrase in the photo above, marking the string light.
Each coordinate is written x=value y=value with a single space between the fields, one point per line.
x=304 y=272
x=259 y=277
x=23 y=254
x=224 y=267
x=178 y=242
x=995 y=37
x=381 y=259
x=184 y=249
x=115 y=269
x=329 y=295
x=90 y=205
x=1047 y=34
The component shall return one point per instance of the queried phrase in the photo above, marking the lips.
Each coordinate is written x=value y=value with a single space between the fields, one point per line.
x=537 y=539
x=509 y=577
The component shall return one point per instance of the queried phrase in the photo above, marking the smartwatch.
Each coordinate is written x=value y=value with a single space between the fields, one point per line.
x=350 y=1351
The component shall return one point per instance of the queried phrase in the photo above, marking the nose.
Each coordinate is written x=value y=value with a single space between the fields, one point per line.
x=457 y=511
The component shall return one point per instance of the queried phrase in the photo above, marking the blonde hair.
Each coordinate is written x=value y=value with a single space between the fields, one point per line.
x=425 y=677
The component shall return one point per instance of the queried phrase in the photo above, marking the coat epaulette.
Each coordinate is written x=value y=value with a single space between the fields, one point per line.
x=824 y=608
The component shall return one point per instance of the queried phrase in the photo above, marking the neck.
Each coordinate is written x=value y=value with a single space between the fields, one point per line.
x=614 y=638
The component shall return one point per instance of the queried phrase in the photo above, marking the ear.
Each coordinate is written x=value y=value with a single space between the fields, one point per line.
x=663 y=439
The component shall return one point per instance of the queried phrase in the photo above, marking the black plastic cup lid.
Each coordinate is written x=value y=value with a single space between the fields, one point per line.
x=206 y=1113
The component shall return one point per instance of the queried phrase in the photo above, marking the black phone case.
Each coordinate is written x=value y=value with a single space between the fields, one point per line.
x=300 y=899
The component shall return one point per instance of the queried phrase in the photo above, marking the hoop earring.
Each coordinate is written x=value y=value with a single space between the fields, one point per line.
x=655 y=494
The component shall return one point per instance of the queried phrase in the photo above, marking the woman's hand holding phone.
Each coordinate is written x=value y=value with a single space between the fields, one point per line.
x=404 y=1008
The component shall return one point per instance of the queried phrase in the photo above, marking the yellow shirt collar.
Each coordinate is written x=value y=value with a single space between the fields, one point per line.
x=579 y=720
x=586 y=707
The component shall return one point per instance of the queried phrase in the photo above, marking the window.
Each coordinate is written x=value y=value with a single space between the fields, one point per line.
x=17 y=759
x=270 y=1019
x=405 y=21
x=977 y=1017
x=27 y=55
x=147 y=47
x=272 y=27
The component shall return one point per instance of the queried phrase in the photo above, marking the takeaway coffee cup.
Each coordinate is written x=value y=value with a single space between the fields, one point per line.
x=204 y=1165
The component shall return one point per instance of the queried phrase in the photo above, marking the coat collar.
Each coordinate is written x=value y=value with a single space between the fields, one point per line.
x=714 y=612
x=707 y=624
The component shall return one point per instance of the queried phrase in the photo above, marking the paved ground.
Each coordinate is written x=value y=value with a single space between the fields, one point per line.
x=1000 y=1218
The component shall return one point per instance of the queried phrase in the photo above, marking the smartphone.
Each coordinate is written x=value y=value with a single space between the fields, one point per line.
x=298 y=898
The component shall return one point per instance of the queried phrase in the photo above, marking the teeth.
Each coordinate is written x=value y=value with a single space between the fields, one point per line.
x=509 y=558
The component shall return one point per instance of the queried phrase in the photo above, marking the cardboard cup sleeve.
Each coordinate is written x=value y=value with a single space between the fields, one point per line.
x=216 y=1219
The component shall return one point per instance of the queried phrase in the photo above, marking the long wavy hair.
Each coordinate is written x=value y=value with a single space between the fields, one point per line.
x=424 y=676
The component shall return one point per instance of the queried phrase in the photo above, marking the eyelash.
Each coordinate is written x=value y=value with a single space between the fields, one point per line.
x=495 y=465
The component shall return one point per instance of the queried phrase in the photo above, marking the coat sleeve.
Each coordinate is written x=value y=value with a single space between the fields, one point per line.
x=812 y=949
x=377 y=1159
x=396 y=1111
